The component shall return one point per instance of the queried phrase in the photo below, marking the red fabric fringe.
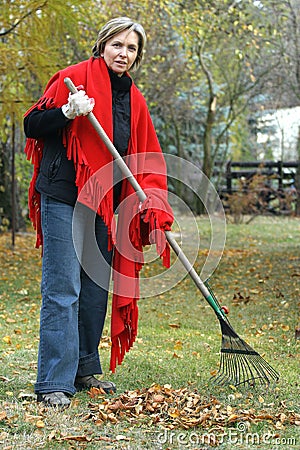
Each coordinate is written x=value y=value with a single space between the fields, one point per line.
x=128 y=262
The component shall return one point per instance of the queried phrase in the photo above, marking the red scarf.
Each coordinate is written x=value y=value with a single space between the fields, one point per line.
x=91 y=160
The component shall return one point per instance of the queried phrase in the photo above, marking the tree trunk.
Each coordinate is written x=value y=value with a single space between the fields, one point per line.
x=207 y=167
x=297 y=178
x=207 y=144
x=5 y=188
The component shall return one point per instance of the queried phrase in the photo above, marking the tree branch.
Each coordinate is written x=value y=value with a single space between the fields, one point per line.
x=205 y=70
x=17 y=23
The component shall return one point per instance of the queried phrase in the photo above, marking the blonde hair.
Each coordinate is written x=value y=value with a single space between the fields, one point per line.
x=116 y=26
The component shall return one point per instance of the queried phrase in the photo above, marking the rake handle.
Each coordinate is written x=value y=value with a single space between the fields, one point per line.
x=142 y=197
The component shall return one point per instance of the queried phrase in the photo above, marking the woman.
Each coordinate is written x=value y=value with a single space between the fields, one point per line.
x=75 y=186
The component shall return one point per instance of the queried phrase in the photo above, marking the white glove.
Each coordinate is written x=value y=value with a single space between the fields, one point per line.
x=79 y=104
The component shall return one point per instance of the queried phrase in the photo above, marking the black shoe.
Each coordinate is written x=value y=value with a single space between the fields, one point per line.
x=90 y=381
x=55 y=399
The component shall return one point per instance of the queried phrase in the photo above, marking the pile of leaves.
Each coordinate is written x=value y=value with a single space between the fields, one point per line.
x=181 y=408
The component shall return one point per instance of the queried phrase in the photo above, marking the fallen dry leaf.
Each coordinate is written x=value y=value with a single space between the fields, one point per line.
x=7 y=340
x=40 y=424
x=3 y=415
x=82 y=438
x=96 y=392
x=5 y=379
x=121 y=437
x=3 y=436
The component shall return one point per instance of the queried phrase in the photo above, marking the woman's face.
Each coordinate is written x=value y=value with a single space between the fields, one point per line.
x=120 y=51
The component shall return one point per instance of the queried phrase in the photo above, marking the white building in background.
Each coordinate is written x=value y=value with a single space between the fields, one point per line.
x=279 y=131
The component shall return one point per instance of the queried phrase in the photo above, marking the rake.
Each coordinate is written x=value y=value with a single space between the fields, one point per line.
x=240 y=364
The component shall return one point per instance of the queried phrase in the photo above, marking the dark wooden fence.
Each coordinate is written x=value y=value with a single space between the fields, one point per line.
x=276 y=187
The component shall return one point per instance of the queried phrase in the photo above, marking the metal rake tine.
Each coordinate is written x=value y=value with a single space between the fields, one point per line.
x=228 y=366
x=252 y=371
x=222 y=372
x=273 y=373
x=248 y=363
x=260 y=369
x=263 y=368
x=266 y=368
x=235 y=368
x=227 y=344
x=242 y=369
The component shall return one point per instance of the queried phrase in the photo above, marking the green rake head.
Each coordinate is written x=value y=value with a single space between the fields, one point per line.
x=240 y=364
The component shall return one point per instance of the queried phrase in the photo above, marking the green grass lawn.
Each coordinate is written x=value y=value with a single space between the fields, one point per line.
x=177 y=350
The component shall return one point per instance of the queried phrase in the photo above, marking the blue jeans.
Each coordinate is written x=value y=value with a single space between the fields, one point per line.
x=74 y=300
